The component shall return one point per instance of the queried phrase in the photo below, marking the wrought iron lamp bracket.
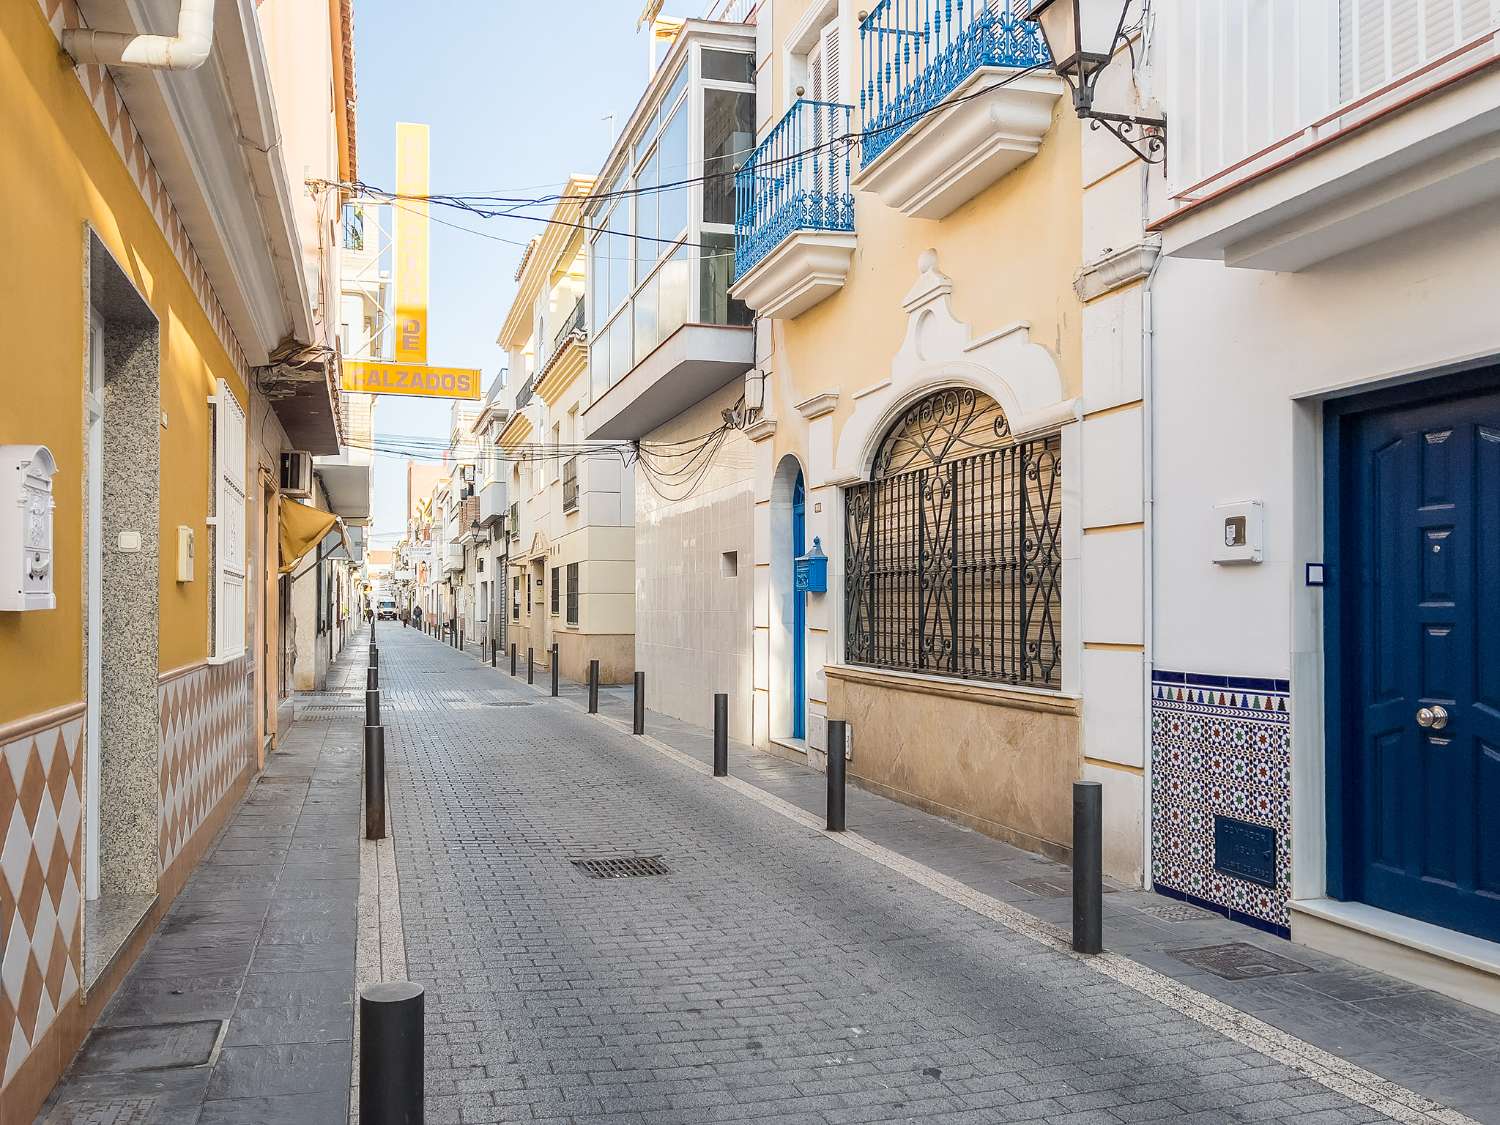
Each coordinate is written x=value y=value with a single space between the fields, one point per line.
x=1149 y=143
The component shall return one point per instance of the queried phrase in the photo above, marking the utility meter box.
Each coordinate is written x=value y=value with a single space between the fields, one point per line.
x=810 y=571
x=26 y=506
x=1238 y=532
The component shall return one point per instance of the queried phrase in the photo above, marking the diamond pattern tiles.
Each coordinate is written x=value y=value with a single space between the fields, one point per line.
x=206 y=743
x=1220 y=746
x=41 y=808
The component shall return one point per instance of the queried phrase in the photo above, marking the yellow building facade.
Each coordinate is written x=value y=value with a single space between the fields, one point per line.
x=911 y=252
x=139 y=703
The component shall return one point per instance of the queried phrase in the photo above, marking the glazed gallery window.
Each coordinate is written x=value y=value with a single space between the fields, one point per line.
x=953 y=548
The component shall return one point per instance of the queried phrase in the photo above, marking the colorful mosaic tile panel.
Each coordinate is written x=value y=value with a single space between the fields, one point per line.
x=1220 y=746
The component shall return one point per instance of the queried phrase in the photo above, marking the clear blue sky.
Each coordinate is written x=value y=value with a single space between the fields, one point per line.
x=491 y=78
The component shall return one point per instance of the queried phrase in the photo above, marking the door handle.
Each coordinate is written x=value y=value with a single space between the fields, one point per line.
x=1434 y=717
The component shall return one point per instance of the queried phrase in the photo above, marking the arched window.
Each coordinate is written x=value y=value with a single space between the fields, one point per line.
x=953 y=548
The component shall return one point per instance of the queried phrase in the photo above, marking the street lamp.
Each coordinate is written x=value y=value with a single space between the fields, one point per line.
x=1082 y=37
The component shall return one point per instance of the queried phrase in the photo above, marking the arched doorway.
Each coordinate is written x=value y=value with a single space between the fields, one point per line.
x=788 y=617
x=799 y=613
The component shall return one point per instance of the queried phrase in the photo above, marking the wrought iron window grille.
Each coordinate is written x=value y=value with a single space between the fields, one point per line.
x=953 y=548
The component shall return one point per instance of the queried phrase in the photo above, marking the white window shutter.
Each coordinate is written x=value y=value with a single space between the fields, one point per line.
x=229 y=526
x=828 y=42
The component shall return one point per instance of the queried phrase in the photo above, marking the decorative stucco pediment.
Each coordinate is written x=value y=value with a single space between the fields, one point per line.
x=939 y=350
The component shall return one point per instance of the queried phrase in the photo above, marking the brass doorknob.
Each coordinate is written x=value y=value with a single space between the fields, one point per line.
x=1434 y=717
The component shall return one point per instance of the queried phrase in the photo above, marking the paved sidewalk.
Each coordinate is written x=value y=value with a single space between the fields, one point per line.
x=906 y=971
x=239 y=1012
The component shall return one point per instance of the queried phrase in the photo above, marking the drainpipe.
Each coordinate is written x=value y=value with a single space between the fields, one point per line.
x=1148 y=448
x=184 y=51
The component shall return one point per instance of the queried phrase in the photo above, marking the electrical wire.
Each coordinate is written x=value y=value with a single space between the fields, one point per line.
x=499 y=206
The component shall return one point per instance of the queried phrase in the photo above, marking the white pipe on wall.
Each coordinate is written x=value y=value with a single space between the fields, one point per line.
x=184 y=51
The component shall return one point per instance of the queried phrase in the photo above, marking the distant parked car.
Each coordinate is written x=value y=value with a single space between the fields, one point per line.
x=386 y=610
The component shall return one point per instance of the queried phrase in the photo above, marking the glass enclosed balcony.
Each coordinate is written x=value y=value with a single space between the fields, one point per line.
x=663 y=329
x=794 y=211
x=952 y=95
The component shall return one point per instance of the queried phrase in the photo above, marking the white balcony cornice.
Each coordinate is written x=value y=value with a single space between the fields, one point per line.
x=805 y=268
x=983 y=130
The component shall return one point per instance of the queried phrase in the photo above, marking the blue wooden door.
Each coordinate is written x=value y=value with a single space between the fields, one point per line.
x=799 y=616
x=1421 y=639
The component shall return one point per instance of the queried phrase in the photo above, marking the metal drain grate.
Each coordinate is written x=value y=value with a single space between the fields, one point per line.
x=1239 y=960
x=1174 y=912
x=1051 y=886
x=621 y=867
x=330 y=710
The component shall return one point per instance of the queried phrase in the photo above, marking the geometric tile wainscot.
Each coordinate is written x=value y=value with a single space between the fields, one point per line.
x=1221 y=799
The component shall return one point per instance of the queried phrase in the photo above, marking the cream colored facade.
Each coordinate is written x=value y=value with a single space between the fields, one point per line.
x=570 y=577
x=959 y=274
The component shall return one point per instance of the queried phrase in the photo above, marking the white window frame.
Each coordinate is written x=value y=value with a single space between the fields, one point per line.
x=228 y=524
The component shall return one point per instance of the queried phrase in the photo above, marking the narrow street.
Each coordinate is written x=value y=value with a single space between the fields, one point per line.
x=909 y=970
x=774 y=973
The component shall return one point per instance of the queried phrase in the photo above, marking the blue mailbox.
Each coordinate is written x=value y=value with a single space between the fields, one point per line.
x=810 y=571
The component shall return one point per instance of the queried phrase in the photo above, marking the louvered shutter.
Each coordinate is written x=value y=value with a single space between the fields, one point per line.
x=1376 y=47
x=229 y=526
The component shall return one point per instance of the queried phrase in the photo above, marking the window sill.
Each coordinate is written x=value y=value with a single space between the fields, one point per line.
x=972 y=691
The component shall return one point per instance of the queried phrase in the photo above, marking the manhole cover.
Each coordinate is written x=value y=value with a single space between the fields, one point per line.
x=161 y=1046
x=1051 y=886
x=115 y=1111
x=621 y=867
x=1174 y=912
x=1239 y=960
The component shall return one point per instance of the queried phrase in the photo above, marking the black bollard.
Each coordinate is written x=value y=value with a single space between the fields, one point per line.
x=390 y=1053
x=374 y=783
x=372 y=707
x=593 y=687
x=530 y=672
x=837 y=740
x=374 y=656
x=554 y=669
x=639 y=725
x=372 y=678
x=513 y=658
x=460 y=640
x=721 y=734
x=494 y=651
x=1088 y=867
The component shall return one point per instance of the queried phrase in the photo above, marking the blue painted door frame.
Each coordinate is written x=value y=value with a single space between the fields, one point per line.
x=799 y=615
x=1412 y=621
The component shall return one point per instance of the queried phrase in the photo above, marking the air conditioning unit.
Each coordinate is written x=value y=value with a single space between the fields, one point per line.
x=297 y=474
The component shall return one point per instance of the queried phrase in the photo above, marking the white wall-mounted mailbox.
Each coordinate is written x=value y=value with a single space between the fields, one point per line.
x=26 y=505
x=1238 y=532
x=186 y=552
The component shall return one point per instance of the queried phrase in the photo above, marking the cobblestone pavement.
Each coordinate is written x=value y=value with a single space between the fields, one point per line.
x=773 y=973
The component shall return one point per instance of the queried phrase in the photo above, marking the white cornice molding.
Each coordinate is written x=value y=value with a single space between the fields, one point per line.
x=1116 y=270
x=818 y=405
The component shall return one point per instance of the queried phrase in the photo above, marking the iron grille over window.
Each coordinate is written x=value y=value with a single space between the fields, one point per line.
x=570 y=484
x=556 y=589
x=953 y=550
x=572 y=618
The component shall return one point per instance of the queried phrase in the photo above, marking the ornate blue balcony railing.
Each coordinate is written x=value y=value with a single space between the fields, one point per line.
x=914 y=53
x=796 y=179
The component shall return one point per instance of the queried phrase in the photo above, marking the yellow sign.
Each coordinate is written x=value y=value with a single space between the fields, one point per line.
x=376 y=378
x=411 y=243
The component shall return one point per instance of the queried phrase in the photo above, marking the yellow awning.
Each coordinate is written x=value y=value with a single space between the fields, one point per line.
x=302 y=529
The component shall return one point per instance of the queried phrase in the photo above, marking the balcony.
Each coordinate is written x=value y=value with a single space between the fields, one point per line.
x=523 y=396
x=794 y=212
x=1381 y=119
x=945 y=108
x=570 y=485
x=453 y=557
x=492 y=503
